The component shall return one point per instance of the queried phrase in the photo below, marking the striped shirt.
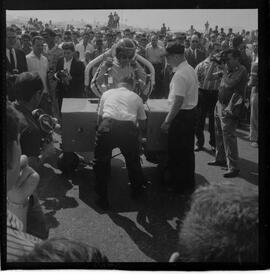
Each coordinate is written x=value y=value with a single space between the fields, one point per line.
x=201 y=70
x=18 y=242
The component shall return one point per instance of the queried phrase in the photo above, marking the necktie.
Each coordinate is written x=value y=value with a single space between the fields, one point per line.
x=12 y=61
x=194 y=52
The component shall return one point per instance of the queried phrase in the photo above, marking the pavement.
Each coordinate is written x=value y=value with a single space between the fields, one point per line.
x=142 y=231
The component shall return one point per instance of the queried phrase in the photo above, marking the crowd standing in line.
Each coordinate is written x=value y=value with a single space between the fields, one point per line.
x=202 y=74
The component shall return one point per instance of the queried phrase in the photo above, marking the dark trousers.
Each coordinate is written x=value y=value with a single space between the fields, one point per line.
x=124 y=135
x=158 y=90
x=181 y=160
x=206 y=106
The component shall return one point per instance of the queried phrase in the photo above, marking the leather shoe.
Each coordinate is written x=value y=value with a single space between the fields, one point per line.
x=217 y=163
x=198 y=148
x=231 y=174
x=102 y=203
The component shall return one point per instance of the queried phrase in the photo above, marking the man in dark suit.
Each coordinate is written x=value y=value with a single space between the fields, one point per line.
x=193 y=55
x=15 y=61
x=70 y=73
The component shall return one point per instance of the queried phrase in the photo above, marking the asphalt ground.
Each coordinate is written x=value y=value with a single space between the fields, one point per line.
x=131 y=231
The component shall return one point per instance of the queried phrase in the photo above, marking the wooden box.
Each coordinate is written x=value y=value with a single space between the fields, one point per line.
x=79 y=117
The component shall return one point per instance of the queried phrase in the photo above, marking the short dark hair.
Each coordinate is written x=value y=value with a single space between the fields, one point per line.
x=37 y=38
x=68 y=46
x=237 y=41
x=15 y=120
x=34 y=33
x=27 y=84
x=67 y=32
x=26 y=36
x=222 y=224
x=10 y=29
x=236 y=54
x=64 y=250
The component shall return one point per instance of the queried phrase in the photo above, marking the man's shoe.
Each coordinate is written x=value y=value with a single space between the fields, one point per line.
x=199 y=148
x=217 y=163
x=102 y=203
x=231 y=174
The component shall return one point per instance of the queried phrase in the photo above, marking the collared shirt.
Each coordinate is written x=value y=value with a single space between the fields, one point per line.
x=82 y=49
x=184 y=83
x=67 y=64
x=18 y=242
x=121 y=104
x=39 y=65
x=11 y=51
x=155 y=55
x=202 y=70
x=231 y=82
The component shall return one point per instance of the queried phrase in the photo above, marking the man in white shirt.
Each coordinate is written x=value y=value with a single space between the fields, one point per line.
x=37 y=62
x=155 y=54
x=84 y=46
x=180 y=121
x=119 y=112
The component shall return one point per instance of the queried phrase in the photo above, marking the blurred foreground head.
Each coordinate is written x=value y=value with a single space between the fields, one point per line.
x=57 y=250
x=221 y=225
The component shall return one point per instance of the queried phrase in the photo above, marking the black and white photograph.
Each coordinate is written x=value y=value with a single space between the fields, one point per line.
x=132 y=136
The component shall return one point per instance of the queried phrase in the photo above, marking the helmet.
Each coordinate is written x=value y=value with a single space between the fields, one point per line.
x=125 y=46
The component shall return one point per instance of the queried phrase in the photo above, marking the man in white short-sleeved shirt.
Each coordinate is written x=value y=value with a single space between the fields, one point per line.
x=37 y=62
x=119 y=112
x=180 y=121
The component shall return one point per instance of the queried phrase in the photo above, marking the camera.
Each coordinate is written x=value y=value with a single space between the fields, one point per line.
x=219 y=58
x=46 y=123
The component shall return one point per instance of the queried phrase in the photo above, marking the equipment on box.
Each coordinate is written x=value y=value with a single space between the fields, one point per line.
x=46 y=123
x=63 y=76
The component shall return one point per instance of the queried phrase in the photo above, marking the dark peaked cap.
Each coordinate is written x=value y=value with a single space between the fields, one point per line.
x=175 y=48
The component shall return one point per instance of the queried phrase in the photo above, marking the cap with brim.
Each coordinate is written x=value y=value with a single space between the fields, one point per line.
x=175 y=49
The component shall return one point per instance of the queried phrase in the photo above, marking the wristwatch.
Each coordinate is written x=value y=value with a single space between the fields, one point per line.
x=18 y=205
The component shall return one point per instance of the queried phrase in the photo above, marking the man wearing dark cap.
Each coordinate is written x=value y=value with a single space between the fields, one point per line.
x=180 y=121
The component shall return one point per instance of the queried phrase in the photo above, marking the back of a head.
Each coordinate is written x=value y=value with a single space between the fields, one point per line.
x=27 y=84
x=57 y=250
x=127 y=82
x=221 y=225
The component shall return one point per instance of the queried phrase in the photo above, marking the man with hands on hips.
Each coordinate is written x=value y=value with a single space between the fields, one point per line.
x=180 y=121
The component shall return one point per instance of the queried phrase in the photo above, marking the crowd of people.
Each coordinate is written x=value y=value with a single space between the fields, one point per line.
x=210 y=74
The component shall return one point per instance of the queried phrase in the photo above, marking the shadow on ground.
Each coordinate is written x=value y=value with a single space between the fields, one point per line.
x=159 y=213
x=52 y=190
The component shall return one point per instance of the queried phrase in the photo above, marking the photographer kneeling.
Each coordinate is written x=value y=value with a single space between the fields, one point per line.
x=28 y=92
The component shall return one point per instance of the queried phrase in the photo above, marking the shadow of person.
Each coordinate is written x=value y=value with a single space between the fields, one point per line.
x=152 y=245
x=249 y=171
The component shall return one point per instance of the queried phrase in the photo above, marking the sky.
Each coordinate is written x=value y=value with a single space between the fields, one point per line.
x=176 y=19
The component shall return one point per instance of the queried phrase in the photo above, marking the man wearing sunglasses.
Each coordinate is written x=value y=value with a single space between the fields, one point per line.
x=113 y=70
x=193 y=54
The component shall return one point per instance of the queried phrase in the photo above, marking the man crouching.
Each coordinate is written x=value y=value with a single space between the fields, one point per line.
x=119 y=112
